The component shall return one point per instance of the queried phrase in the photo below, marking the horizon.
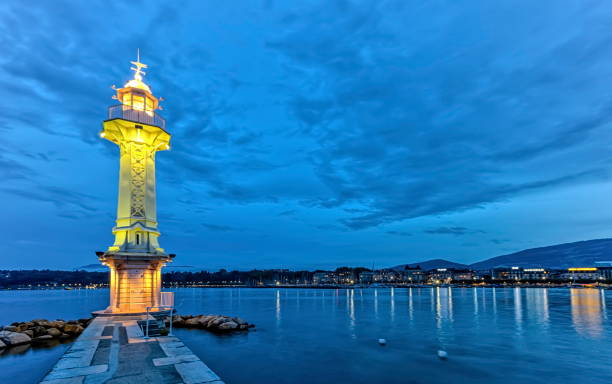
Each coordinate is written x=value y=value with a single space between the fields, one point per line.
x=192 y=268
x=312 y=136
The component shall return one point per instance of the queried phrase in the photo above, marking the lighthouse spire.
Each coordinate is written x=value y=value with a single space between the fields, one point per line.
x=138 y=72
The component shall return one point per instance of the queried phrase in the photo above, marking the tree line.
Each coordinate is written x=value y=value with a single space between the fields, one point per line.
x=51 y=278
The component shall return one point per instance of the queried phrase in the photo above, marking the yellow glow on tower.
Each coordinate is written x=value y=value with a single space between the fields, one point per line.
x=136 y=258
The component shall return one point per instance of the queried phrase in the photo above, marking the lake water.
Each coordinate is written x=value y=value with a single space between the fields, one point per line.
x=501 y=335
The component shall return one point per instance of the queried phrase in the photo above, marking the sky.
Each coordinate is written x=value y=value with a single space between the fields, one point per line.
x=311 y=134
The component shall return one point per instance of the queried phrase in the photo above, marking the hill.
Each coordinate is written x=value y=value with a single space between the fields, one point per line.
x=577 y=254
x=431 y=264
x=92 y=268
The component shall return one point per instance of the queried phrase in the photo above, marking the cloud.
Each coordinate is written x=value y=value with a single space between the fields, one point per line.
x=451 y=121
x=219 y=228
x=500 y=241
x=457 y=231
x=11 y=169
x=398 y=233
x=58 y=196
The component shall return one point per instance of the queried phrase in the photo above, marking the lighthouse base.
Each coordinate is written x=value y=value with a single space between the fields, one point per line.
x=135 y=282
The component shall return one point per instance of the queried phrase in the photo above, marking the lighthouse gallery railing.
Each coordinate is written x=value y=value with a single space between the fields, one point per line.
x=146 y=117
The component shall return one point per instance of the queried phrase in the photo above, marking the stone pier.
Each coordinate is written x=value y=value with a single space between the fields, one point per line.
x=112 y=350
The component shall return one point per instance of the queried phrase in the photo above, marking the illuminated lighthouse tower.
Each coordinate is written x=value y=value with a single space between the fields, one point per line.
x=135 y=259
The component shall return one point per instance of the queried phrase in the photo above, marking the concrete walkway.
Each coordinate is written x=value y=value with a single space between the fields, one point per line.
x=112 y=350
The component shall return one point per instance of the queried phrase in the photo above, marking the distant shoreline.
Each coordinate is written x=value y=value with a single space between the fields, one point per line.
x=333 y=287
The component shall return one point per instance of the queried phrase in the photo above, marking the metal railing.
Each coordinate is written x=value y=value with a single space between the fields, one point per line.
x=122 y=111
x=162 y=307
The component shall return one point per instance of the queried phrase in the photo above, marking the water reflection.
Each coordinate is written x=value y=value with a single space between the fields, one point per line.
x=587 y=311
x=518 y=310
x=494 y=303
x=278 y=307
x=376 y=303
x=444 y=306
x=603 y=304
x=392 y=293
x=350 y=302
x=410 y=305
x=537 y=304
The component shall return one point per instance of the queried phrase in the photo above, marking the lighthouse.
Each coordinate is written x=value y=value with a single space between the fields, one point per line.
x=135 y=259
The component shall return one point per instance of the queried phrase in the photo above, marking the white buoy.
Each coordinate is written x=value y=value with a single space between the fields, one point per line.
x=442 y=354
x=382 y=341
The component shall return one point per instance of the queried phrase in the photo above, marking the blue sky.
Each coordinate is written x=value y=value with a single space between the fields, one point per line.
x=312 y=134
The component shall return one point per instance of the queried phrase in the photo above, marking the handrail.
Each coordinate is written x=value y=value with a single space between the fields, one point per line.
x=122 y=111
x=146 y=336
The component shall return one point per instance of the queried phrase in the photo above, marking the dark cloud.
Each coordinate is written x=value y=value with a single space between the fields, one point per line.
x=500 y=241
x=58 y=196
x=11 y=169
x=412 y=128
x=457 y=231
x=219 y=228
x=399 y=233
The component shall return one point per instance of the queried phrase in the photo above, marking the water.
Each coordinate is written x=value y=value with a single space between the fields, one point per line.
x=500 y=335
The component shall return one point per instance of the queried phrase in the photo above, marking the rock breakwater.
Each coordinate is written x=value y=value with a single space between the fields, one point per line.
x=40 y=331
x=213 y=323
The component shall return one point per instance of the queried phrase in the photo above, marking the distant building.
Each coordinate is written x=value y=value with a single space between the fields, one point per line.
x=439 y=275
x=463 y=275
x=447 y=275
x=605 y=273
x=582 y=273
x=534 y=274
x=518 y=273
x=413 y=275
x=366 y=277
x=512 y=273
x=345 y=277
x=390 y=276
x=324 y=278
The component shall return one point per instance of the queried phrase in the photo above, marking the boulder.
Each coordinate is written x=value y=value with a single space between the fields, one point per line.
x=2 y=345
x=59 y=324
x=84 y=322
x=14 y=338
x=177 y=322
x=73 y=329
x=239 y=321
x=29 y=332
x=42 y=339
x=192 y=322
x=11 y=328
x=64 y=336
x=218 y=321
x=43 y=323
x=22 y=327
x=39 y=330
x=54 y=332
x=227 y=326
x=203 y=320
